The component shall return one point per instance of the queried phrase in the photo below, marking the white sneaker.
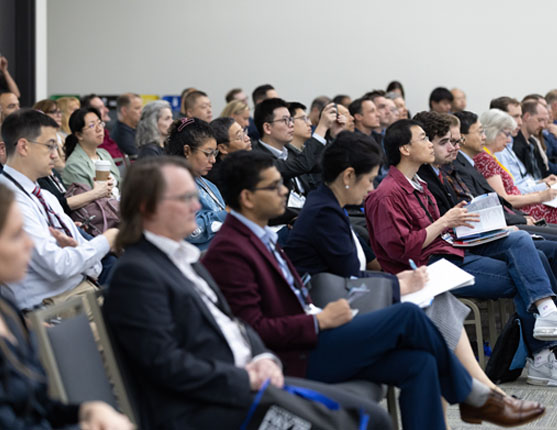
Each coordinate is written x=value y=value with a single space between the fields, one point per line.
x=544 y=373
x=546 y=328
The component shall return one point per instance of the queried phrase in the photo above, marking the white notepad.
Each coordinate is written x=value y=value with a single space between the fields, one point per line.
x=443 y=276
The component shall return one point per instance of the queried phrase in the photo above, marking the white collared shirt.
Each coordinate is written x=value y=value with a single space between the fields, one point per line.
x=52 y=270
x=280 y=154
x=183 y=254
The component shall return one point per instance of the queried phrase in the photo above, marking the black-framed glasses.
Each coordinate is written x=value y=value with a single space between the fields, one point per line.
x=51 y=146
x=55 y=112
x=185 y=198
x=456 y=142
x=287 y=120
x=210 y=154
x=276 y=187
x=95 y=125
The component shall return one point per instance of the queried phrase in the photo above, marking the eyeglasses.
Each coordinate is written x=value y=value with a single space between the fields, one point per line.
x=276 y=187
x=303 y=118
x=423 y=139
x=55 y=112
x=95 y=125
x=210 y=154
x=507 y=134
x=185 y=198
x=52 y=147
x=241 y=135
x=287 y=120
x=456 y=142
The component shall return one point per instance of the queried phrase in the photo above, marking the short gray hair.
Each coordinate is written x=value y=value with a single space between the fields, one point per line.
x=495 y=121
x=147 y=129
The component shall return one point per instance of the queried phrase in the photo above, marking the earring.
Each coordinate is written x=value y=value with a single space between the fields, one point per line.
x=347 y=186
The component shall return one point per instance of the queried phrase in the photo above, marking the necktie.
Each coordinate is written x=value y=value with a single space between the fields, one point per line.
x=50 y=213
x=441 y=176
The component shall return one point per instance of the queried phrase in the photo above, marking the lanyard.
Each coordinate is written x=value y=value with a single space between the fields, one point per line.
x=205 y=188
x=429 y=202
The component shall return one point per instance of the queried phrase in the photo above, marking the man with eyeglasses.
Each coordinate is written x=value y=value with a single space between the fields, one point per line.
x=63 y=263
x=275 y=125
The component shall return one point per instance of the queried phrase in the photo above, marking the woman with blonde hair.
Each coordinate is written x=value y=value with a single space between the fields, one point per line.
x=237 y=110
x=67 y=105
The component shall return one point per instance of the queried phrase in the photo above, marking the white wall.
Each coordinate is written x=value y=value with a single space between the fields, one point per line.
x=303 y=47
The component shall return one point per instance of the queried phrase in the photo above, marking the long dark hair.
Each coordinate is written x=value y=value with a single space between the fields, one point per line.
x=77 y=122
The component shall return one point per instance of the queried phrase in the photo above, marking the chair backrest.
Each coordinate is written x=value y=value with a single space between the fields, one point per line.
x=76 y=368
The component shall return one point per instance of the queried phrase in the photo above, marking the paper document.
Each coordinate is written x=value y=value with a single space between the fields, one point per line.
x=552 y=203
x=491 y=216
x=443 y=276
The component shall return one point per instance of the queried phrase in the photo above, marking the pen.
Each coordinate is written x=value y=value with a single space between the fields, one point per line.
x=412 y=264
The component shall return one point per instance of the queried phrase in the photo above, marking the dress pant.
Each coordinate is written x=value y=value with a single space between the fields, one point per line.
x=400 y=346
x=511 y=267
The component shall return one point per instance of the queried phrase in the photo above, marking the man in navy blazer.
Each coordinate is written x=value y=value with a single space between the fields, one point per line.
x=194 y=366
x=398 y=345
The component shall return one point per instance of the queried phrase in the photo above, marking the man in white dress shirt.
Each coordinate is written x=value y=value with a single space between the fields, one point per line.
x=62 y=259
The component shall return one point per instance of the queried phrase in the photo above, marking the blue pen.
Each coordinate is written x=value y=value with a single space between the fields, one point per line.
x=412 y=264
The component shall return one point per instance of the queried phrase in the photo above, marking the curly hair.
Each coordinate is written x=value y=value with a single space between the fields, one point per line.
x=433 y=123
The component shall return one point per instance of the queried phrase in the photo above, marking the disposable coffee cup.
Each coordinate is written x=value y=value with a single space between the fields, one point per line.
x=102 y=170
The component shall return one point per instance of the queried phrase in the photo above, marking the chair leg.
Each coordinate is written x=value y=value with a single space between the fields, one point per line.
x=477 y=321
x=392 y=406
x=492 y=310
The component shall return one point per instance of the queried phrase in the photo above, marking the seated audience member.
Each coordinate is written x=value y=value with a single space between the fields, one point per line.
x=62 y=260
x=50 y=107
x=524 y=181
x=396 y=86
x=9 y=103
x=194 y=139
x=322 y=239
x=400 y=105
x=404 y=223
x=195 y=365
x=82 y=150
x=276 y=126
x=459 y=100
x=183 y=95
x=7 y=83
x=236 y=94
x=239 y=112
x=315 y=109
x=230 y=137
x=262 y=92
x=366 y=118
x=198 y=106
x=67 y=105
x=342 y=99
x=25 y=403
x=497 y=127
x=152 y=129
x=128 y=108
x=302 y=125
x=525 y=145
x=440 y=100
x=94 y=101
x=550 y=131
x=383 y=112
x=263 y=288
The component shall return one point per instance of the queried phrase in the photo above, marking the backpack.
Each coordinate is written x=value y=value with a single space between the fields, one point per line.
x=99 y=215
x=509 y=355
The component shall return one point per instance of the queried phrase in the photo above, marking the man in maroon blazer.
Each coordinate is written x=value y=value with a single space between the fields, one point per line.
x=398 y=345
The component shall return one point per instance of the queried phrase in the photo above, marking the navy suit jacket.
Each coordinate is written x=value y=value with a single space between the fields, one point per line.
x=321 y=240
x=257 y=291
x=172 y=346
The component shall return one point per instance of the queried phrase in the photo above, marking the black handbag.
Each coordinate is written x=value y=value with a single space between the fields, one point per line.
x=300 y=408
x=376 y=291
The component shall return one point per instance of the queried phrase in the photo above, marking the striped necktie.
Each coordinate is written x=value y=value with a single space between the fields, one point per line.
x=50 y=213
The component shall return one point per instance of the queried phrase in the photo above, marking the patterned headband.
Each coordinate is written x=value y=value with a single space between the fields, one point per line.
x=184 y=122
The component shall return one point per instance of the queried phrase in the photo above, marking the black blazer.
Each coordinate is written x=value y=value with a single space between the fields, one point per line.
x=522 y=150
x=172 y=346
x=443 y=196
